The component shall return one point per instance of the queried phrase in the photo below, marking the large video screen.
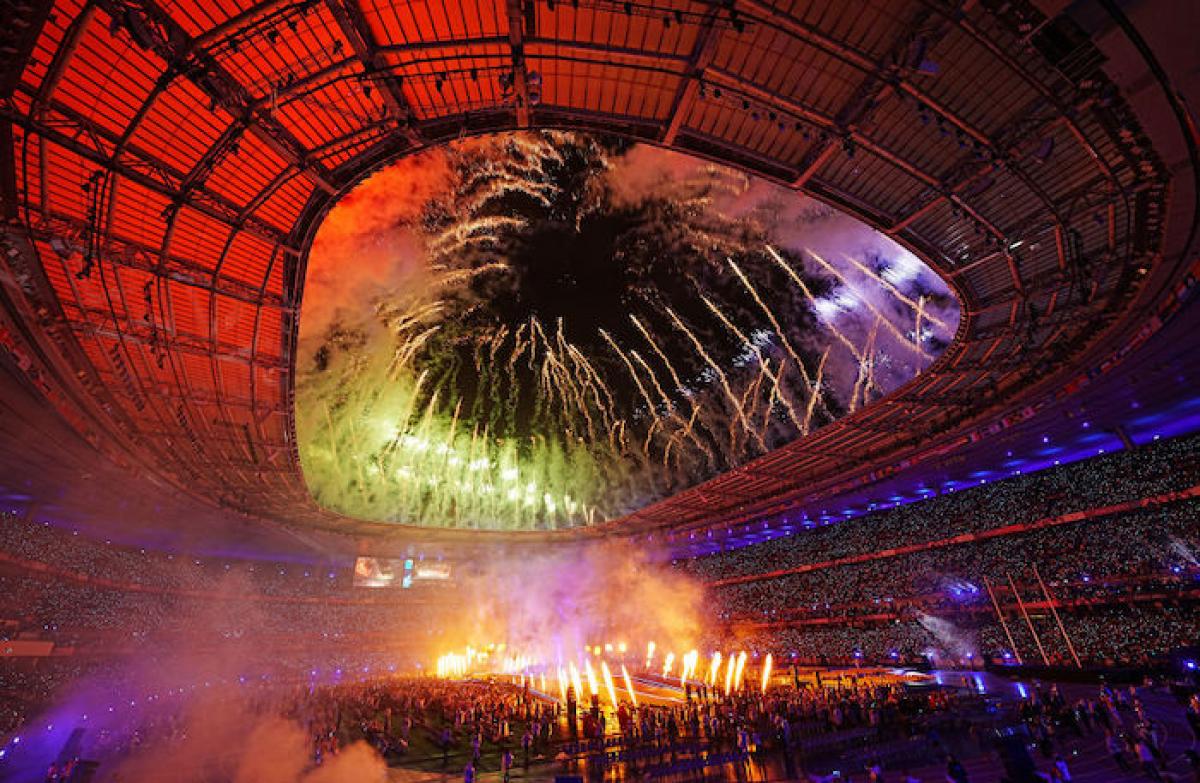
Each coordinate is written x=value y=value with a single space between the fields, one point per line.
x=397 y=572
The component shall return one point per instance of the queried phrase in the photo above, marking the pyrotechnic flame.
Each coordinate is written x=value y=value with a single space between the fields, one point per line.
x=608 y=684
x=629 y=685
x=766 y=675
x=689 y=667
x=591 y=678
x=668 y=664
x=714 y=669
x=729 y=664
x=575 y=680
x=741 y=668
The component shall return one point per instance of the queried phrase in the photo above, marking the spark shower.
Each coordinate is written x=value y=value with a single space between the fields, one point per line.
x=546 y=330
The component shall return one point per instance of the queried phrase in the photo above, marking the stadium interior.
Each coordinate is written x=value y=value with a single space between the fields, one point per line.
x=530 y=390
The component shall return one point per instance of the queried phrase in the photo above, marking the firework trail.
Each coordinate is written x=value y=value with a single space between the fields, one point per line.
x=880 y=318
x=733 y=399
x=655 y=422
x=679 y=386
x=750 y=344
x=812 y=301
x=893 y=290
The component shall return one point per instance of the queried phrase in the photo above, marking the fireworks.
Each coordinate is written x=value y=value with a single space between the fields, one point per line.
x=526 y=358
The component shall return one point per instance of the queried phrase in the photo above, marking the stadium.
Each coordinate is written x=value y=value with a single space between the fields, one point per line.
x=598 y=390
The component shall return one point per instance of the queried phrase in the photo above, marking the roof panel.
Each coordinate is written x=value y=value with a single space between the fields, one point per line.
x=179 y=127
x=242 y=175
x=283 y=206
x=108 y=78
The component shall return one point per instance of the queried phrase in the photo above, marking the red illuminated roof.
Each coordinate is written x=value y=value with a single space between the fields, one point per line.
x=171 y=160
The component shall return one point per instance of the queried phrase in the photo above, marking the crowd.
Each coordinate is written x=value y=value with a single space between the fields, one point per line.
x=1126 y=585
x=799 y=729
x=1157 y=468
x=41 y=542
x=1079 y=558
x=485 y=725
x=69 y=613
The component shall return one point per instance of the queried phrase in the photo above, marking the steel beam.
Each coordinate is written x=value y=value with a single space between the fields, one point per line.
x=349 y=17
x=703 y=50
x=516 y=43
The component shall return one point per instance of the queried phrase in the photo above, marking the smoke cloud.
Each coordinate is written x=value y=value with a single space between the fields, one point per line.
x=220 y=740
x=550 y=604
x=954 y=640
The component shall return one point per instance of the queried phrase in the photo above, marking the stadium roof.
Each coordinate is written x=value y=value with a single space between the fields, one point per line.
x=166 y=164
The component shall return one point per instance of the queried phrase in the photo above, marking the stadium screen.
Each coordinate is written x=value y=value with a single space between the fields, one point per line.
x=397 y=572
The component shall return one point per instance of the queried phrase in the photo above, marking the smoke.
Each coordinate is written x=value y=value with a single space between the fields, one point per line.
x=206 y=682
x=200 y=681
x=219 y=740
x=951 y=639
x=370 y=237
x=549 y=605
